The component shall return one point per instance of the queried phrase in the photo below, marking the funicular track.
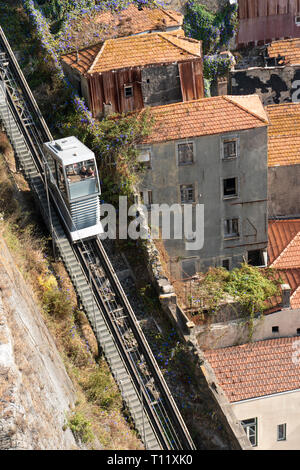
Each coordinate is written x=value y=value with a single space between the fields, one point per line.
x=133 y=365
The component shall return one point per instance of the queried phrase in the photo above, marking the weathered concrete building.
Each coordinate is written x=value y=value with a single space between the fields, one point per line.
x=284 y=160
x=262 y=21
x=126 y=74
x=212 y=152
x=273 y=74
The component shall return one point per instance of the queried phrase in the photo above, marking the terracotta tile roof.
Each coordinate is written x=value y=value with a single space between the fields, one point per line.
x=284 y=254
x=281 y=233
x=134 y=51
x=290 y=257
x=288 y=48
x=284 y=134
x=255 y=369
x=135 y=21
x=206 y=116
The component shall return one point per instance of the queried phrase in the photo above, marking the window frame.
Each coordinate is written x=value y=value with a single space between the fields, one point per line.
x=229 y=137
x=231 y=236
x=127 y=87
x=180 y=192
x=246 y=423
x=284 y=433
x=185 y=142
x=230 y=196
x=146 y=164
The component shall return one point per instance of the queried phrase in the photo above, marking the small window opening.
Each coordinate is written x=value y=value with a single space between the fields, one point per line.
x=230 y=187
x=128 y=90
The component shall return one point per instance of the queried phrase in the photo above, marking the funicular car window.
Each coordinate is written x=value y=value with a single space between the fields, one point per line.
x=80 y=171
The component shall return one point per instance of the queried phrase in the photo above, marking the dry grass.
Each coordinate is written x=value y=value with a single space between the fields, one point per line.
x=71 y=332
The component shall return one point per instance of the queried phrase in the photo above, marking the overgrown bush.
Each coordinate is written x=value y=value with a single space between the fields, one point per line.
x=81 y=428
x=101 y=390
x=213 y=30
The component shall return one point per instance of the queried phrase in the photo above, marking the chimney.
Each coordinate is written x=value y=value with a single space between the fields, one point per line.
x=286 y=295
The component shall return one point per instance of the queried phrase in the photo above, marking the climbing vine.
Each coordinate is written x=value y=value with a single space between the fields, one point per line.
x=213 y=30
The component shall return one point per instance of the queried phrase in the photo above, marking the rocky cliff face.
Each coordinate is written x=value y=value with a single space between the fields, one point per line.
x=35 y=390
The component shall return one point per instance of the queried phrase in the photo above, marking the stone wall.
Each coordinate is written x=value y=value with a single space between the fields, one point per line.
x=161 y=85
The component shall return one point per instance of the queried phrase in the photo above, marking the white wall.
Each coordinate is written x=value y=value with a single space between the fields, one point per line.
x=271 y=411
x=221 y=335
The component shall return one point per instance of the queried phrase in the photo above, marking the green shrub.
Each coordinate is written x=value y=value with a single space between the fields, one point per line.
x=81 y=428
x=101 y=390
x=56 y=303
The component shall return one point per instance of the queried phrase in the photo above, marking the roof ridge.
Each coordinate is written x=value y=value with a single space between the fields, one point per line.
x=236 y=103
x=284 y=251
x=162 y=34
x=90 y=70
x=167 y=12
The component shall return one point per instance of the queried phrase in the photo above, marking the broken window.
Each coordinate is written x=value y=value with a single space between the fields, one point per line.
x=187 y=193
x=255 y=258
x=226 y=264
x=185 y=153
x=230 y=148
x=250 y=428
x=231 y=228
x=230 y=187
x=128 y=91
x=144 y=157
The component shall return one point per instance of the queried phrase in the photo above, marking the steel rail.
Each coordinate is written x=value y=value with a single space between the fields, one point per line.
x=175 y=415
x=34 y=136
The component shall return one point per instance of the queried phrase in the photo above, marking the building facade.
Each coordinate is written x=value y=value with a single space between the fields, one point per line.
x=262 y=21
x=127 y=74
x=261 y=380
x=211 y=152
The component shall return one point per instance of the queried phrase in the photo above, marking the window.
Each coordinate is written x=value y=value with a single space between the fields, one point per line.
x=128 y=91
x=145 y=157
x=187 y=193
x=275 y=329
x=226 y=264
x=231 y=228
x=230 y=187
x=281 y=432
x=146 y=197
x=255 y=258
x=298 y=331
x=185 y=153
x=229 y=148
x=250 y=427
x=297 y=20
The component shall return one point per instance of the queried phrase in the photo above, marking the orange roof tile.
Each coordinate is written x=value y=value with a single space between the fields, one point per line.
x=287 y=48
x=289 y=258
x=255 y=369
x=134 y=51
x=284 y=134
x=205 y=117
x=135 y=21
x=284 y=254
x=281 y=233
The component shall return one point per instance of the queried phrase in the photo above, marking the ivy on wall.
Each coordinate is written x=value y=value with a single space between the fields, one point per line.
x=215 y=31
